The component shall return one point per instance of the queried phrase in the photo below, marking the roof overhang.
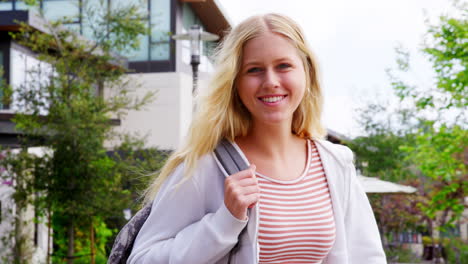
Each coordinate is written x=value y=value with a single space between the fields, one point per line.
x=10 y=20
x=376 y=185
x=212 y=15
x=10 y=136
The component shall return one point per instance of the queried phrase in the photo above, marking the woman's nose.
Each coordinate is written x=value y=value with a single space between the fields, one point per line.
x=271 y=79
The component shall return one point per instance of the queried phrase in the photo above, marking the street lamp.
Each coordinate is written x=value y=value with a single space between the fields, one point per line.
x=196 y=35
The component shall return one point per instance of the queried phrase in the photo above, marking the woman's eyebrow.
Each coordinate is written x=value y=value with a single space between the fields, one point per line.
x=256 y=62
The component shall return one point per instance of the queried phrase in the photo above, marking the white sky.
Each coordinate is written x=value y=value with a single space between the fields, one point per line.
x=354 y=42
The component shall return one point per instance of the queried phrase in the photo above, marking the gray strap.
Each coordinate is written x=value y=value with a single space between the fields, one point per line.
x=229 y=157
x=232 y=162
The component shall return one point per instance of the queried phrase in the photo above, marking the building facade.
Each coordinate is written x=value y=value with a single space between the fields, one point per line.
x=159 y=64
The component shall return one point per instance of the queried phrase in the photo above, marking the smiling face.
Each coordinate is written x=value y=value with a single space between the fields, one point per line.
x=271 y=81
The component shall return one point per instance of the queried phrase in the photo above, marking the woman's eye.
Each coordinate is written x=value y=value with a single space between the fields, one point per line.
x=254 y=70
x=284 y=65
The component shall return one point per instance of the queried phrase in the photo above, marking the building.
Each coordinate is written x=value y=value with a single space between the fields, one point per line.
x=159 y=64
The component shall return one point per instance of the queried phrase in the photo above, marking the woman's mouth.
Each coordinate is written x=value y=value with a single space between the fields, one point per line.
x=272 y=99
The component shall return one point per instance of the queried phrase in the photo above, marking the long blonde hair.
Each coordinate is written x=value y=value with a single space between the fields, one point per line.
x=221 y=114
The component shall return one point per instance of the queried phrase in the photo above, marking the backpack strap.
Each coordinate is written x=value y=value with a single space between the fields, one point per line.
x=229 y=157
x=232 y=162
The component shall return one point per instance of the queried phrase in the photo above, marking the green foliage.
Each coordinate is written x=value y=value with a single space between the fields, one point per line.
x=441 y=138
x=6 y=91
x=401 y=254
x=456 y=251
x=378 y=152
x=448 y=51
x=424 y=142
x=439 y=153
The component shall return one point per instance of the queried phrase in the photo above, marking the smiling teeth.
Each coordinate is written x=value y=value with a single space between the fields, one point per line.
x=272 y=99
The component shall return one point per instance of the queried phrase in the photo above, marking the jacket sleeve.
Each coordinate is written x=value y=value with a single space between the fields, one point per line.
x=180 y=230
x=363 y=237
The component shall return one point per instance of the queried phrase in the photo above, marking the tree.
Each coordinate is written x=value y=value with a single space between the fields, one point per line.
x=426 y=140
x=64 y=108
x=442 y=138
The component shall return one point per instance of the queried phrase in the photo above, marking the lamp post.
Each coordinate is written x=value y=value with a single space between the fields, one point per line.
x=196 y=35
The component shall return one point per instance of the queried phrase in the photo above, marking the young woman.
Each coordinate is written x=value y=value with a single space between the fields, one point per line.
x=298 y=202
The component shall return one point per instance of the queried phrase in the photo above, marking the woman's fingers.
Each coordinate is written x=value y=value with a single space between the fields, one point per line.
x=247 y=173
x=241 y=192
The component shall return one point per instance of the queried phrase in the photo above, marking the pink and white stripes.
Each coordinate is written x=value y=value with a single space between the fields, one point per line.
x=296 y=217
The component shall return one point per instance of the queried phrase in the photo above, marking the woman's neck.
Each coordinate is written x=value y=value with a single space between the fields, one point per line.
x=272 y=140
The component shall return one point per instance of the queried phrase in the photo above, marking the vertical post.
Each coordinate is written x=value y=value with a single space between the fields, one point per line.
x=195 y=61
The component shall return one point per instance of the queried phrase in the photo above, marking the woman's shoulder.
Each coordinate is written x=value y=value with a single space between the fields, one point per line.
x=206 y=168
x=340 y=153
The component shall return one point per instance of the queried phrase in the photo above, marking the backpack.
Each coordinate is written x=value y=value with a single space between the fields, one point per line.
x=230 y=160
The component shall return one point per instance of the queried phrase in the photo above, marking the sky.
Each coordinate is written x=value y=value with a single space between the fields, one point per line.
x=354 y=42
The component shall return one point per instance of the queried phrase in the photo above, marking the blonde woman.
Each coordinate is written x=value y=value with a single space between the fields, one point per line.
x=298 y=202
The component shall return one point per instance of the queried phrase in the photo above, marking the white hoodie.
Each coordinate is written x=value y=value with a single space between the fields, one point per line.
x=191 y=224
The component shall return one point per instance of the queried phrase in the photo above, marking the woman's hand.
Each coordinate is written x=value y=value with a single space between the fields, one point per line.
x=241 y=192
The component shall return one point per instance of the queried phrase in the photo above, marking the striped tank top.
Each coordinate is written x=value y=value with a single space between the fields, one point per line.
x=296 y=217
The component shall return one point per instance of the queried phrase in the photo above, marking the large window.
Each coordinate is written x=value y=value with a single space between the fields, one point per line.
x=28 y=73
x=153 y=47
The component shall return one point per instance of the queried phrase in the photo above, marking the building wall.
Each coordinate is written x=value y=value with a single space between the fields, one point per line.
x=164 y=121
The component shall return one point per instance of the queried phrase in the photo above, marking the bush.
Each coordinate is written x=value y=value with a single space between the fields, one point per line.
x=456 y=250
x=401 y=254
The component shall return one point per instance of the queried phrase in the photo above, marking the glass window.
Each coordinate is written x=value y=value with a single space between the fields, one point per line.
x=142 y=4
x=20 y=5
x=28 y=74
x=160 y=29
x=93 y=11
x=75 y=27
x=58 y=9
x=141 y=54
x=188 y=17
x=6 y=5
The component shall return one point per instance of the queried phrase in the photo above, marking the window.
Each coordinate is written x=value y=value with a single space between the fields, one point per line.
x=28 y=72
x=153 y=47
x=57 y=9
x=21 y=5
x=160 y=24
x=6 y=5
x=154 y=52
